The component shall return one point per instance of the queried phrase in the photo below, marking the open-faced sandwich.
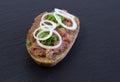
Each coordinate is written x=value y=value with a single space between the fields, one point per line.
x=51 y=36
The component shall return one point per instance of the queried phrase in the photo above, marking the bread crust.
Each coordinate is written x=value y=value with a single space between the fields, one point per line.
x=50 y=62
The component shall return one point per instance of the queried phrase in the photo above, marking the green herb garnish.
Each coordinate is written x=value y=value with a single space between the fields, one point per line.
x=54 y=38
x=50 y=17
x=50 y=41
x=28 y=43
x=43 y=42
x=43 y=34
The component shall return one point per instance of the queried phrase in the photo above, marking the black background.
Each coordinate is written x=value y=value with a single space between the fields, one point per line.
x=95 y=56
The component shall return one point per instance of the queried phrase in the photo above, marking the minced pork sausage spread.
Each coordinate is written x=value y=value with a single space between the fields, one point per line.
x=67 y=38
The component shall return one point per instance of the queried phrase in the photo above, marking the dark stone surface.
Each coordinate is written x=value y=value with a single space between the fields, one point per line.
x=95 y=57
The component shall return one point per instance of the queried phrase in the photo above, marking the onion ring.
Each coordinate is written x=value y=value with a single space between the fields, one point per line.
x=66 y=15
x=51 y=47
x=44 y=29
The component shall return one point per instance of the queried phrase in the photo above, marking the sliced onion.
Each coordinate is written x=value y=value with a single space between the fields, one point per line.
x=62 y=12
x=65 y=15
x=44 y=29
x=53 y=24
x=51 y=47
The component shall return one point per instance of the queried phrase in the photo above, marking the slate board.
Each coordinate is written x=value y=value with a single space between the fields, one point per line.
x=95 y=56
